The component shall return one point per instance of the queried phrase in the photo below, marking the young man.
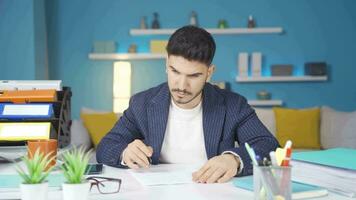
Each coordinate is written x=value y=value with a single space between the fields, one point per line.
x=188 y=120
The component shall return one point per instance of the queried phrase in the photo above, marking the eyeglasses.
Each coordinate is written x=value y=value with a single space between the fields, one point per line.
x=105 y=185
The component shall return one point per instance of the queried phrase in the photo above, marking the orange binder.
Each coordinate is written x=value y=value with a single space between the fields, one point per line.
x=28 y=96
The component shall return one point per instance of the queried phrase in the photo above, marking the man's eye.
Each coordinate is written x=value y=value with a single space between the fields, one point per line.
x=175 y=71
x=194 y=75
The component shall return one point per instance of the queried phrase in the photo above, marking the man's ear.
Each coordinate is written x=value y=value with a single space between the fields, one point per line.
x=211 y=70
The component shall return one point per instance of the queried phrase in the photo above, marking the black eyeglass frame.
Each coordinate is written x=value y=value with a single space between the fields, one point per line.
x=95 y=182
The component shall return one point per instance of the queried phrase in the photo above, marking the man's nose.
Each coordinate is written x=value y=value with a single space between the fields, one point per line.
x=182 y=83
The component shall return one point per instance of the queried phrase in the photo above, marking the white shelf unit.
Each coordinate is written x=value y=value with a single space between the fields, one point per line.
x=214 y=31
x=265 y=102
x=126 y=56
x=281 y=79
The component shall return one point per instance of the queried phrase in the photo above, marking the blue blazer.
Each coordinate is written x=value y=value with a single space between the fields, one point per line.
x=227 y=118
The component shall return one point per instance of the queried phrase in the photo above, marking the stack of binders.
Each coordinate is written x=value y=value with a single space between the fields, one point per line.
x=34 y=110
x=333 y=169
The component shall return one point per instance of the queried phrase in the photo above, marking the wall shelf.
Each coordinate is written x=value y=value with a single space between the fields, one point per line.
x=281 y=79
x=265 y=102
x=126 y=56
x=215 y=31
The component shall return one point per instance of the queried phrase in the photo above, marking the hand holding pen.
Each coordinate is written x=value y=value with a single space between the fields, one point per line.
x=137 y=154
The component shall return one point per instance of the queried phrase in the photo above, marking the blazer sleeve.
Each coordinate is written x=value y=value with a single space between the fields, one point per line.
x=113 y=144
x=251 y=130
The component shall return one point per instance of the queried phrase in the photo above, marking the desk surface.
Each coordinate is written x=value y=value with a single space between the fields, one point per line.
x=131 y=189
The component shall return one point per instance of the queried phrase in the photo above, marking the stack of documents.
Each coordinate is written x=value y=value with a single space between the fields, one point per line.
x=334 y=169
x=26 y=110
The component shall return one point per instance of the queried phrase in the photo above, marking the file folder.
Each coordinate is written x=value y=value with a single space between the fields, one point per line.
x=21 y=131
x=30 y=84
x=60 y=121
x=28 y=96
x=25 y=111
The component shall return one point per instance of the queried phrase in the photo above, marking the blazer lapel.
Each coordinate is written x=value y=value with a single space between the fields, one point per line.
x=158 y=111
x=213 y=119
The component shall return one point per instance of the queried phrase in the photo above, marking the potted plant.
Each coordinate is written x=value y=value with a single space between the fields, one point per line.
x=74 y=168
x=34 y=176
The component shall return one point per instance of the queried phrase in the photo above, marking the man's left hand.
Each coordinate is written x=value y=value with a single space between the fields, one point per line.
x=218 y=169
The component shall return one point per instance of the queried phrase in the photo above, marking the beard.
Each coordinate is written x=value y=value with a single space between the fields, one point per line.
x=188 y=96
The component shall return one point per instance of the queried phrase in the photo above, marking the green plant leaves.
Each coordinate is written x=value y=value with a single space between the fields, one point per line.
x=75 y=164
x=37 y=168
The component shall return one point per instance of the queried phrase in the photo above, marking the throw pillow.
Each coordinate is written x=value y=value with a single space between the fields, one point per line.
x=338 y=129
x=79 y=135
x=98 y=124
x=299 y=125
x=267 y=118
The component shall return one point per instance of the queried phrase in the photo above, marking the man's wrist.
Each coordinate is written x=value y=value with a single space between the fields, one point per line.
x=122 y=158
x=238 y=160
x=233 y=157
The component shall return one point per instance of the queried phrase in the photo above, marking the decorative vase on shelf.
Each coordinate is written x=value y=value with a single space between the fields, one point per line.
x=251 y=23
x=143 y=22
x=263 y=95
x=155 y=22
x=193 y=19
x=222 y=24
x=132 y=48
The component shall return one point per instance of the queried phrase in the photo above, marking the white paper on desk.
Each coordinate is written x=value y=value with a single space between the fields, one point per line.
x=164 y=175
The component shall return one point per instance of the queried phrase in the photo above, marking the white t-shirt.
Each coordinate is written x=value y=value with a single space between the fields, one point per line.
x=184 y=138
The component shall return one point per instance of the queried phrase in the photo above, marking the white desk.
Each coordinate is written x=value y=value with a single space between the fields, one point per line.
x=132 y=190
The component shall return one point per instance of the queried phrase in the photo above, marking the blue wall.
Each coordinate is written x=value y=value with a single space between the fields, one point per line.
x=23 y=48
x=17 y=59
x=40 y=40
x=318 y=30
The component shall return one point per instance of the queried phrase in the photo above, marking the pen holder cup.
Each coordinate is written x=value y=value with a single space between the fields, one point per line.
x=272 y=183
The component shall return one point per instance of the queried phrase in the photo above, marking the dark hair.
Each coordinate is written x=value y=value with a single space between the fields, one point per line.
x=193 y=44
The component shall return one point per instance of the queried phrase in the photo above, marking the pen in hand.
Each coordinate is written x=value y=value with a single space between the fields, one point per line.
x=137 y=155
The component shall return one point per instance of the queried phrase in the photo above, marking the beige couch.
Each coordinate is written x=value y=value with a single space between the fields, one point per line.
x=337 y=128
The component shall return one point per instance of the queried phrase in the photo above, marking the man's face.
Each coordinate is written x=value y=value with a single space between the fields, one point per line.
x=186 y=80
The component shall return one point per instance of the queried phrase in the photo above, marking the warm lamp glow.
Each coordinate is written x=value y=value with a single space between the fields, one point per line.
x=122 y=86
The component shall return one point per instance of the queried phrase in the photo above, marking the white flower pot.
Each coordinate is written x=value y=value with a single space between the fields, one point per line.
x=34 y=191
x=78 y=191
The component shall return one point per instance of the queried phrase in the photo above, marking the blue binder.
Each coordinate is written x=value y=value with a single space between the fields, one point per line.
x=299 y=190
x=342 y=158
x=26 y=111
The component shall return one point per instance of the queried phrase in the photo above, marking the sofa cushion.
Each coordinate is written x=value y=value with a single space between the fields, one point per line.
x=98 y=123
x=267 y=118
x=302 y=126
x=79 y=135
x=338 y=129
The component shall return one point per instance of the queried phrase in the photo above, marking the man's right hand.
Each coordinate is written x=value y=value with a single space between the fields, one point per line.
x=136 y=155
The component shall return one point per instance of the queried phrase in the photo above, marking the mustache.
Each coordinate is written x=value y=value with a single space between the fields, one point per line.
x=181 y=91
